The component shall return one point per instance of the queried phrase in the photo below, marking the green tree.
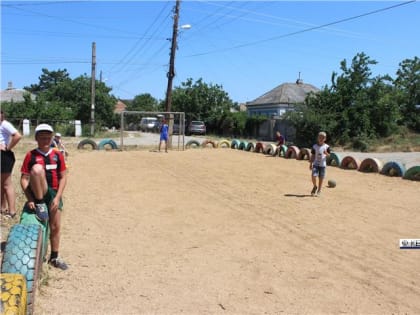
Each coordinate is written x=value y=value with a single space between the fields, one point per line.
x=407 y=84
x=201 y=101
x=48 y=79
x=143 y=102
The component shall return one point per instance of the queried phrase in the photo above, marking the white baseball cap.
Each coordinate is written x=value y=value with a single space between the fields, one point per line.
x=57 y=134
x=43 y=127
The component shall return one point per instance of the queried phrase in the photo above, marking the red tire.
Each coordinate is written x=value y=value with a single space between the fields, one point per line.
x=292 y=152
x=207 y=142
x=259 y=147
x=350 y=163
x=371 y=166
x=304 y=154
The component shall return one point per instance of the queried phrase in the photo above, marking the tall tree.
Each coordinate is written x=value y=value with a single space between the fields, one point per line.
x=48 y=79
x=143 y=102
x=408 y=91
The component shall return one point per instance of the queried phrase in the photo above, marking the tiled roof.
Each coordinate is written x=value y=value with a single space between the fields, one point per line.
x=286 y=93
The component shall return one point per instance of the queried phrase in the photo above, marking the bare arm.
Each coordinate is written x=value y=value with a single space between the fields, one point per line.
x=14 y=140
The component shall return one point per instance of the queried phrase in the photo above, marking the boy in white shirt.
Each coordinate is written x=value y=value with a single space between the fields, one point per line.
x=318 y=162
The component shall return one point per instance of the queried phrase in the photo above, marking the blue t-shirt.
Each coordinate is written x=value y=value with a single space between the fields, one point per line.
x=164 y=131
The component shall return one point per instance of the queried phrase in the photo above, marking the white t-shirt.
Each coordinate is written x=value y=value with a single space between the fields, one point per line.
x=320 y=154
x=6 y=131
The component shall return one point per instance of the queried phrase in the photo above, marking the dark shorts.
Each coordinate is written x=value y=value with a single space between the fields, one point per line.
x=48 y=198
x=7 y=161
x=318 y=171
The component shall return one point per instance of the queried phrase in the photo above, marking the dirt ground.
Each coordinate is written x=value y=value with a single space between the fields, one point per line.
x=223 y=231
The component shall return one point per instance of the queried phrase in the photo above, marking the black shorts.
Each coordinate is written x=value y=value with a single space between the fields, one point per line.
x=7 y=161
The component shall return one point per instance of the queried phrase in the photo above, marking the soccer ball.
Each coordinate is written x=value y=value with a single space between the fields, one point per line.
x=332 y=183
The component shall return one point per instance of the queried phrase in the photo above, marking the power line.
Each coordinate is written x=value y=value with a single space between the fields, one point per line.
x=302 y=31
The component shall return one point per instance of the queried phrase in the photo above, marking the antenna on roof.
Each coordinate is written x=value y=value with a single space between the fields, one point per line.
x=299 y=80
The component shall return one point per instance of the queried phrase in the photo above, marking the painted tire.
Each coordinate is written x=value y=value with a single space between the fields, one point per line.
x=260 y=147
x=207 y=142
x=82 y=144
x=270 y=149
x=223 y=142
x=190 y=143
x=243 y=145
x=292 y=152
x=13 y=294
x=371 y=165
x=250 y=147
x=283 y=150
x=334 y=159
x=105 y=142
x=22 y=255
x=350 y=163
x=304 y=154
x=393 y=169
x=413 y=173
x=235 y=144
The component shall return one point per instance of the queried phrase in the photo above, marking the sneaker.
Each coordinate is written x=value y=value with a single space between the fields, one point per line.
x=58 y=263
x=41 y=211
x=314 y=191
x=318 y=194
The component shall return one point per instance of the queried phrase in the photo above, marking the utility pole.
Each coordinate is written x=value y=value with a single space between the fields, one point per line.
x=171 y=72
x=93 y=91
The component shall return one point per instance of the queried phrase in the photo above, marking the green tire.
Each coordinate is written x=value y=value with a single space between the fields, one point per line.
x=413 y=173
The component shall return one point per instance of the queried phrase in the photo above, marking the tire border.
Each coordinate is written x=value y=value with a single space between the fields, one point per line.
x=104 y=142
x=87 y=141
x=371 y=165
x=394 y=169
x=347 y=161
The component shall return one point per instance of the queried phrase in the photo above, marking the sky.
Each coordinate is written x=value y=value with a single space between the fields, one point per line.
x=247 y=47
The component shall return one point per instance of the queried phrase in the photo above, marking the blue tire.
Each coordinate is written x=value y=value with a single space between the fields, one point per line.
x=22 y=255
x=235 y=144
x=105 y=142
x=243 y=145
x=393 y=169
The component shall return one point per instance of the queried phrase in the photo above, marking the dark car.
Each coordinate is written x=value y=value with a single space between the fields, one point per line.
x=197 y=127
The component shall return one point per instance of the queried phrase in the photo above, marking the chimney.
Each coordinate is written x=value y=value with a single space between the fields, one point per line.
x=10 y=85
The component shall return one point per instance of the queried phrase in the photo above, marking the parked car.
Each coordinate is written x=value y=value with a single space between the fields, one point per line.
x=197 y=127
x=150 y=124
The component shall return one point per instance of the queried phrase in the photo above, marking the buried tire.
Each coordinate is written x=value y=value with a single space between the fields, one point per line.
x=22 y=255
x=207 y=142
x=13 y=294
x=334 y=159
x=235 y=144
x=350 y=163
x=304 y=154
x=393 y=169
x=250 y=147
x=283 y=150
x=105 y=142
x=243 y=145
x=371 y=165
x=223 y=142
x=270 y=149
x=192 y=143
x=88 y=142
x=260 y=147
x=413 y=173
x=292 y=152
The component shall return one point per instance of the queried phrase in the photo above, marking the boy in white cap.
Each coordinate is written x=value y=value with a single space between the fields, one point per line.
x=43 y=180
x=58 y=143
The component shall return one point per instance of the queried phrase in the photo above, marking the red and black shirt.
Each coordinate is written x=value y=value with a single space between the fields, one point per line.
x=52 y=161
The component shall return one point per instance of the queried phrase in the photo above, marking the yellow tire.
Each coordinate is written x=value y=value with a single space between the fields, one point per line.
x=222 y=143
x=13 y=294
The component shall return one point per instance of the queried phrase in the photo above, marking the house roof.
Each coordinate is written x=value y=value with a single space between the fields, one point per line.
x=286 y=93
x=14 y=95
x=119 y=107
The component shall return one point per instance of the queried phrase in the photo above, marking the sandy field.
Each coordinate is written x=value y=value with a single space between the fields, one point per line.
x=223 y=231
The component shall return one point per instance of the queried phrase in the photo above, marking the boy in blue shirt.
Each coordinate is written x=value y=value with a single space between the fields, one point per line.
x=164 y=135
